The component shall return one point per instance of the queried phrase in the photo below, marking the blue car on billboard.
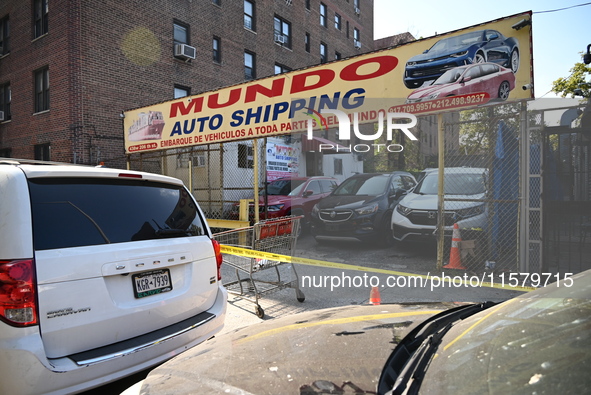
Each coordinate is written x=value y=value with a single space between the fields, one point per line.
x=463 y=49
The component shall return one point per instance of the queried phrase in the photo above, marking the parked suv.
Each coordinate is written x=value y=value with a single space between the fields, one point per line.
x=292 y=196
x=361 y=207
x=415 y=217
x=103 y=273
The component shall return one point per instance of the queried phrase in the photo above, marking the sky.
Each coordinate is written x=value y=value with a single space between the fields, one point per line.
x=559 y=37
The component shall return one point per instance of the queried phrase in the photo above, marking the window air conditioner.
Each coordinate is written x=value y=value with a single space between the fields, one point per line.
x=357 y=10
x=357 y=44
x=280 y=38
x=184 y=51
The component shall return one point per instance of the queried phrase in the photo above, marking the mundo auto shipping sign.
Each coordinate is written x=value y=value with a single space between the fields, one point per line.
x=475 y=66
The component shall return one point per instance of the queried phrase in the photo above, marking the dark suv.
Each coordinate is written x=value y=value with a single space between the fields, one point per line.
x=361 y=207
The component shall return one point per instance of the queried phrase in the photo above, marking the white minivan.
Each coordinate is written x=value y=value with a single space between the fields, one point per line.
x=103 y=273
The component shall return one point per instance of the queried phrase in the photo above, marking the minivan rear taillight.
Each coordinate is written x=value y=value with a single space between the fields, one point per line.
x=18 y=304
x=218 y=257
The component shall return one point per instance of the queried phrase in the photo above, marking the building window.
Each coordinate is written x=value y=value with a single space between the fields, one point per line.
x=356 y=6
x=347 y=29
x=280 y=69
x=323 y=17
x=282 y=30
x=5 y=99
x=249 y=66
x=181 y=91
x=40 y=17
x=307 y=40
x=42 y=89
x=245 y=156
x=180 y=33
x=249 y=15
x=217 y=2
x=356 y=40
x=42 y=152
x=337 y=55
x=337 y=21
x=323 y=52
x=4 y=36
x=217 y=50
x=338 y=166
x=308 y=5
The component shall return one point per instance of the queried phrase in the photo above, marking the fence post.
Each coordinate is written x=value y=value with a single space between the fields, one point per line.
x=440 y=204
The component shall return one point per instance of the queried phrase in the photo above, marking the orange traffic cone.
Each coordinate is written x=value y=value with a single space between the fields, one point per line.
x=374 y=296
x=455 y=262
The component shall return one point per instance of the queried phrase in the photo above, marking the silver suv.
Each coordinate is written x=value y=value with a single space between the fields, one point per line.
x=103 y=273
x=415 y=216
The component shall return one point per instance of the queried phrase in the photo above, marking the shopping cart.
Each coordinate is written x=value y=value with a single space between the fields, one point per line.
x=253 y=275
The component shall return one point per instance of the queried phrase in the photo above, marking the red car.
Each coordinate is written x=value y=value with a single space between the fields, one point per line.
x=491 y=78
x=291 y=196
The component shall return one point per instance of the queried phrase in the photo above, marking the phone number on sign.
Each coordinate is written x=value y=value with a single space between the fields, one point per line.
x=443 y=104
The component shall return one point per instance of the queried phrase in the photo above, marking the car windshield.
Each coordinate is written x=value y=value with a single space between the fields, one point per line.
x=462 y=40
x=454 y=184
x=450 y=76
x=297 y=190
x=533 y=342
x=281 y=187
x=372 y=186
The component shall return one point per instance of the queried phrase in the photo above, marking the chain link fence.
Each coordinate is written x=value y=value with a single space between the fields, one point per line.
x=492 y=181
x=482 y=178
x=218 y=175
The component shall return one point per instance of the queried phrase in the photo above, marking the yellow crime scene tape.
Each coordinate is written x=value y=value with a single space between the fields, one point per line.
x=248 y=253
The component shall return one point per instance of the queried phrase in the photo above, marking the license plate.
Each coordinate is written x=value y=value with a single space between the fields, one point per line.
x=332 y=227
x=151 y=283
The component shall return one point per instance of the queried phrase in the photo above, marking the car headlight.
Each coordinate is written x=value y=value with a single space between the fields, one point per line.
x=432 y=96
x=275 y=207
x=367 y=209
x=411 y=63
x=459 y=54
x=403 y=210
x=471 y=211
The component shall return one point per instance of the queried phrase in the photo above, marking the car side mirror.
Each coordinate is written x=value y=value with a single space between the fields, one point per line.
x=308 y=193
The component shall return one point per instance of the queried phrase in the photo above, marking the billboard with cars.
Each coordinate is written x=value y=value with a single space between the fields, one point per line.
x=474 y=66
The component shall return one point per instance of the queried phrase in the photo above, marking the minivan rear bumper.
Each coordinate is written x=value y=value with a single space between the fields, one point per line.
x=25 y=371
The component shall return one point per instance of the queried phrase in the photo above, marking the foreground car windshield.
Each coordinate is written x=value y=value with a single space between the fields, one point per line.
x=454 y=184
x=538 y=344
x=373 y=186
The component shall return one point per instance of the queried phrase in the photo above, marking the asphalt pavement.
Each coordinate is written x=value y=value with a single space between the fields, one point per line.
x=343 y=274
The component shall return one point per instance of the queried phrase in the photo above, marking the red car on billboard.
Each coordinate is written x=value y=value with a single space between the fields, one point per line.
x=491 y=78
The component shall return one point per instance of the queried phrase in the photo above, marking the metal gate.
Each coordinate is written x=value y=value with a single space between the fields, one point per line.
x=567 y=193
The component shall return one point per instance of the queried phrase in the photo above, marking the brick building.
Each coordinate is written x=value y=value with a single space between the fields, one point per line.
x=68 y=69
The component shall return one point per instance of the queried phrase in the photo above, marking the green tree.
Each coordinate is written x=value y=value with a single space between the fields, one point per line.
x=577 y=80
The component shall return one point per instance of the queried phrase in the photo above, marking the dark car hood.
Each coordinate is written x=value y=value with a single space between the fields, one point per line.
x=346 y=201
x=438 y=54
x=293 y=354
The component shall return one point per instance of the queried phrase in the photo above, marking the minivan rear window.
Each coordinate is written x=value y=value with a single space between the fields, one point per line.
x=77 y=212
